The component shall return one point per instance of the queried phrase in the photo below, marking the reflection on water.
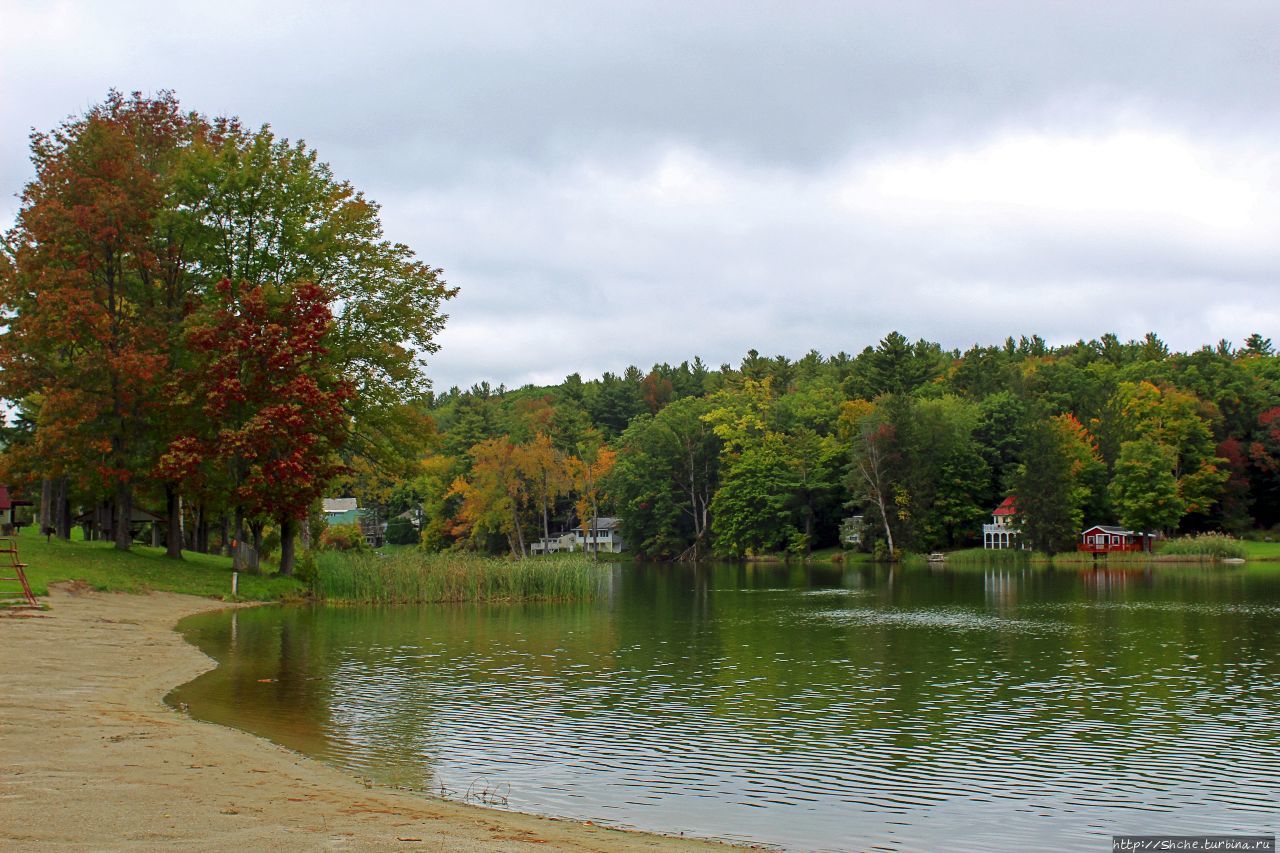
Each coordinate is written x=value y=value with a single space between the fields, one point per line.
x=917 y=709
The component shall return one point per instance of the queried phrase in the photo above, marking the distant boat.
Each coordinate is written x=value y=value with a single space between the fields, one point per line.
x=937 y=557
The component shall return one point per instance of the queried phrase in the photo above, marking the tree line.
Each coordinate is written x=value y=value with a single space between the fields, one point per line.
x=199 y=315
x=922 y=442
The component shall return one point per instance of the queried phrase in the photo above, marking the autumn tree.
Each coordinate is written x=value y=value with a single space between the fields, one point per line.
x=495 y=495
x=274 y=402
x=587 y=472
x=89 y=290
x=546 y=471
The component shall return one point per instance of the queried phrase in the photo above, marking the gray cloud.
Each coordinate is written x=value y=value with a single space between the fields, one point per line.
x=619 y=183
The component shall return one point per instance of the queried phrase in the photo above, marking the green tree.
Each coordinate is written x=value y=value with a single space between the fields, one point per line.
x=1051 y=483
x=750 y=511
x=1144 y=489
x=261 y=210
x=666 y=474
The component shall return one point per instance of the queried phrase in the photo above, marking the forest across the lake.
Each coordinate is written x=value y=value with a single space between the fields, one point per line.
x=922 y=442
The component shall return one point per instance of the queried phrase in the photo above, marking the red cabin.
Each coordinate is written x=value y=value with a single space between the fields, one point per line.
x=1101 y=539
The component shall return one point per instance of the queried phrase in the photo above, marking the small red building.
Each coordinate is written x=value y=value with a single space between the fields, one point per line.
x=1103 y=539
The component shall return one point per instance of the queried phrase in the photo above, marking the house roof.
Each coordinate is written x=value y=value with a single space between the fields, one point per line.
x=340 y=505
x=8 y=501
x=1008 y=507
x=1108 y=529
x=604 y=522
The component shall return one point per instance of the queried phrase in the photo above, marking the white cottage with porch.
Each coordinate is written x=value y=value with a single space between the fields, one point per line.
x=602 y=534
x=1003 y=533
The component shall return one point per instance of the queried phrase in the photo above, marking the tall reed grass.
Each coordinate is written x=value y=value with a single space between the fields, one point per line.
x=992 y=557
x=1216 y=546
x=413 y=576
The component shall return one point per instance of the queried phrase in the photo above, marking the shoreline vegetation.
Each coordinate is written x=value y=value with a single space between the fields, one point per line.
x=400 y=576
x=413 y=576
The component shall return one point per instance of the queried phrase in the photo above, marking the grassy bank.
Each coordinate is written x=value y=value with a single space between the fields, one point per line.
x=414 y=576
x=102 y=567
x=1203 y=549
x=1261 y=551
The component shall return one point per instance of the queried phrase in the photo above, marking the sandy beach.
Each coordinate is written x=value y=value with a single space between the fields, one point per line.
x=92 y=759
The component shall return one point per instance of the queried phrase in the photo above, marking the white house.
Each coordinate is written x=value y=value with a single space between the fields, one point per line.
x=1003 y=533
x=603 y=534
x=554 y=544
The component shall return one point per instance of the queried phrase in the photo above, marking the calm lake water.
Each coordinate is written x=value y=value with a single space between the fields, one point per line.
x=918 y=709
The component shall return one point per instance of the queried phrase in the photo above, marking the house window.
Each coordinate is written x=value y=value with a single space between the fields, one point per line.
x=1115 y=540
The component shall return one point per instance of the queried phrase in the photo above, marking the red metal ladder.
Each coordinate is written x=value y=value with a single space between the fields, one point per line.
x=9 y=547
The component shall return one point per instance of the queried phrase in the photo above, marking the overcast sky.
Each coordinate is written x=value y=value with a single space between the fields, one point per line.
x=614 y=183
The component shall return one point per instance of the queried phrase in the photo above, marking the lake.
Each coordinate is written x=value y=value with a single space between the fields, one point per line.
x=813 y=708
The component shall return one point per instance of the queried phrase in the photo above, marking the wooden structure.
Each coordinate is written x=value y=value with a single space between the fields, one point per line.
x=99 y=523
x=1104 y=539
x=12 y=570
x=1003 y=532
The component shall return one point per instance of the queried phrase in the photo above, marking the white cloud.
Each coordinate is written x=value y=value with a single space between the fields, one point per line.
x=1132 y=173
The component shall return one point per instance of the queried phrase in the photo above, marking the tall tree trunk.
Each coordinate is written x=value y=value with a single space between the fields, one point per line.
x=202 y=529
x=237 y=539
x=46 y=504
x=546 y=526
x=226 y=536
x=595 y=523
x=124 y=517
x=62 y=508
x=288 y=535
x=255 y=554
x=173 y=506
x=515 y=517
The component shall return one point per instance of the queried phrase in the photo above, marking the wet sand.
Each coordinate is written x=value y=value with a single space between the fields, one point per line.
x=92 y=759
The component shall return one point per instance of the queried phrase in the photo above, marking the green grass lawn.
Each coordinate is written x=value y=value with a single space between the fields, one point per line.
x=143 y=569
x=1261 y=550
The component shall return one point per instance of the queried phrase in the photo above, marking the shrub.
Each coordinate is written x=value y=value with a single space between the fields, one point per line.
x=1215 y=545
x=343 y=537
x=305 y=570
x=270 y=543
x=400 y=531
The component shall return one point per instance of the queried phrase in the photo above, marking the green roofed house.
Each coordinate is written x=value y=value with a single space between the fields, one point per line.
x=341 y=511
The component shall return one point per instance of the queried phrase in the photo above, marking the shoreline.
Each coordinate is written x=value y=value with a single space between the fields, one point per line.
x=91 y=758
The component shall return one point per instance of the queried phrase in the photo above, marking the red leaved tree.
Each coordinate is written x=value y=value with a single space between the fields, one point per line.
x=273 y=403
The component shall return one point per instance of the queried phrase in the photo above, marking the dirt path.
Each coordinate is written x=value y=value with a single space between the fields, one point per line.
x=91 y=759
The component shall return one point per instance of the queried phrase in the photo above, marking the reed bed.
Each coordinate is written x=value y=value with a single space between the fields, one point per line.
x=417 y=577
x=993 y=557
x=1216 y=546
